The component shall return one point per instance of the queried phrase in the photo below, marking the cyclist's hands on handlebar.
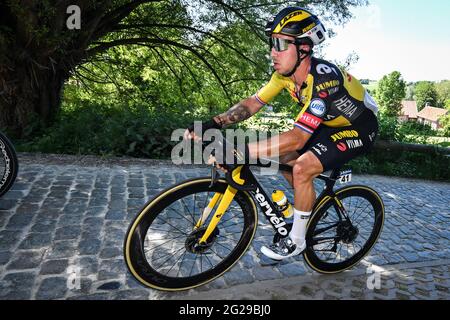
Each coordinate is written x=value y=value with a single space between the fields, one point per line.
x=237 y=155
x=206 y=125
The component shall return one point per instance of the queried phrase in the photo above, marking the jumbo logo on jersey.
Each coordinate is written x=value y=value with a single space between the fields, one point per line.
x=328 y=85
x=344 y=134
x=317 y=107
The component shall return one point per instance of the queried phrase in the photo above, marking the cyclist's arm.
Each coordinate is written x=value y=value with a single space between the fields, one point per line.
x=280 y=145
x=240 y=112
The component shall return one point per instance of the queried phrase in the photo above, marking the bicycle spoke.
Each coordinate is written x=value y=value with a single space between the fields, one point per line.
x=181 y=231
x=181 y=264
x=168 y=240
x=181 y=215
x=166 y=231
x=191 y=214
x=168 y=254
x=319 y=231
x=357 y=219
x=358 y=208
x=222 y=236
x=325 y=239
x=171 y=256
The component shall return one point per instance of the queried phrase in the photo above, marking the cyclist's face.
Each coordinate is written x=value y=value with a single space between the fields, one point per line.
x=284 y=61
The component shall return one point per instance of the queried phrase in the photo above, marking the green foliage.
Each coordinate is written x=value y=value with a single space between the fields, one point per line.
x=425 y=92
x=404 y=164
x=390 y=93
x=445 y=122
x=443 y=92
x=410 y=91
x=415 y=128
x=389 y=128
x=103 y=130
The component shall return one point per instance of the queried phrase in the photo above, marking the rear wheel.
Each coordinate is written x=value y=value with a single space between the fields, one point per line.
x=9 y=164
x=162 y=247
x=336 y=242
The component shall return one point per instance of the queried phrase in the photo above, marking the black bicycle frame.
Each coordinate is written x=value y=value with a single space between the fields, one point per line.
x=272 y=214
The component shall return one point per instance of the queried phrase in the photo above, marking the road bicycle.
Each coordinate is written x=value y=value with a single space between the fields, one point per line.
x=9 y=165
x=195 y=231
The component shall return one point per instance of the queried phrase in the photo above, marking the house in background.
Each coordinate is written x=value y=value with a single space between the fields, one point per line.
x=430 y=116
x=409 y=111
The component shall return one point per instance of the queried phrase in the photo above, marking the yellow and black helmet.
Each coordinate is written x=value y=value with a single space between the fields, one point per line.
x=299 y=23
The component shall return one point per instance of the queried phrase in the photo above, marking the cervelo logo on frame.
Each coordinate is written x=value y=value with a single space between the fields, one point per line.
x=277 y=222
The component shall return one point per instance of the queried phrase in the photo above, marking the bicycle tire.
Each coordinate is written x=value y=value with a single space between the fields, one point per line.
x=9 y=163
x=311 y=254
x=134 y=249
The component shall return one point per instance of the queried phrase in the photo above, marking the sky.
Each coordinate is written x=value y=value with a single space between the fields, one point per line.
x=410 y=36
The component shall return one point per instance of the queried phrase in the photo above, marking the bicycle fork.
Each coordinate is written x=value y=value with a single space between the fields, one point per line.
x=225 y=201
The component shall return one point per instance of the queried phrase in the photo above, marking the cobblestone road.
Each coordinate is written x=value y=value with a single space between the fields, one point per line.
x=63 y=224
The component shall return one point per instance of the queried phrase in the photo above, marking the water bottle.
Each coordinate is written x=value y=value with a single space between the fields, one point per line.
x=283 y=204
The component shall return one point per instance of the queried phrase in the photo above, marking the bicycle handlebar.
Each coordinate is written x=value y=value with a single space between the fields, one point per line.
x=228 y=174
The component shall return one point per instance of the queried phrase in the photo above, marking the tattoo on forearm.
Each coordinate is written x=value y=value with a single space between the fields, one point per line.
x=236 y=114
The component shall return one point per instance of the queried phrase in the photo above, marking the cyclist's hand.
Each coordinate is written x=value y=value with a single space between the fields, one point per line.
x=190 y=134
x=212 y=160
x=231 y=156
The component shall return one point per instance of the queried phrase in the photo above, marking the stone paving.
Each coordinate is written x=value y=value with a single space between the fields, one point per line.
x=62 y=227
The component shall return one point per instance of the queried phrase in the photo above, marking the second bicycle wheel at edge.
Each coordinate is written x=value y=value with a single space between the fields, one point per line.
x=9 y=165
x=366 y=212
x=158 y=245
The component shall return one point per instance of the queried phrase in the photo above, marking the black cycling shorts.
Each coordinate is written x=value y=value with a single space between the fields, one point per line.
x=336 y=146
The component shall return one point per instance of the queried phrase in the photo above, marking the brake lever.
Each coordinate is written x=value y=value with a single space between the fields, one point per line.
x=215 y=175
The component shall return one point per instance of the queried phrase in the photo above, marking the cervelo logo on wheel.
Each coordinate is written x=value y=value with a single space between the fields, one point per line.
x=317 y=107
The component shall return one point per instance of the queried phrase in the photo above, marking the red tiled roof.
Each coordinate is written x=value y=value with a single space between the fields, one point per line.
x=432 y=113
x=409 y=108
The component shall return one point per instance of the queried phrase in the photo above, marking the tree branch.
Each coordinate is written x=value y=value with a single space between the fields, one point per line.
x=238 y=14
x=148 y=42
x=141 y=26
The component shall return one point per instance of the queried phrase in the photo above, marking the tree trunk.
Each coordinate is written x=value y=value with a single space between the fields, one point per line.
x=29 y=91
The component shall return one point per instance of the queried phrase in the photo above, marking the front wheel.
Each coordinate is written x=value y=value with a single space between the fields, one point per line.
x=9 y=165
x=337 y=237
x=162 y=248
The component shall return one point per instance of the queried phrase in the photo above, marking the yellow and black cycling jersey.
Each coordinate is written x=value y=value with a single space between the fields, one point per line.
x=329 y=96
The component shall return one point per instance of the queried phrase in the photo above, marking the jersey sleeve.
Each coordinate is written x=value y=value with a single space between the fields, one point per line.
x=313 y=115
x=270 y=90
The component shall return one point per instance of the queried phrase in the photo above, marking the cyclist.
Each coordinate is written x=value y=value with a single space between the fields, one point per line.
x=336 y=122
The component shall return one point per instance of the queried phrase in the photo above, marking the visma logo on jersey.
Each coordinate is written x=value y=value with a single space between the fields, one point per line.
x=317 y=107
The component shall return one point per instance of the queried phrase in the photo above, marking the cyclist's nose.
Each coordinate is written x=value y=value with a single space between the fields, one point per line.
x=273 y=52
